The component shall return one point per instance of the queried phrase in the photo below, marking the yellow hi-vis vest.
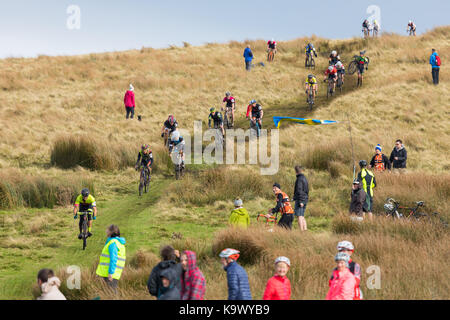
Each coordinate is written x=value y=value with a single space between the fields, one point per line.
x=365 y=172
x=103 y=266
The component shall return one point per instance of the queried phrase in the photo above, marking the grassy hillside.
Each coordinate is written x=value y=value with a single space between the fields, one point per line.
x=49 y=101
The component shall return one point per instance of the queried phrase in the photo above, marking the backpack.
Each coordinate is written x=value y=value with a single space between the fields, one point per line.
x=438 y=61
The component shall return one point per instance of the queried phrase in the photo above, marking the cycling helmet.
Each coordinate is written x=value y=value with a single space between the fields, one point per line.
x=85 y=192
x=310 y=76
x=283 y=259
x=409 y=22
x=229 y=253
x=145 y=147
x=171 y=118
x=342 y=257
x=362 y=52
x=212 y=109
x=330 y=68
x=347 y=245
x=175 y=136
x=375 y=22
x=334 y=52
x=227 y=93
x=253 y=101
x=362 y=163
x=339 y=64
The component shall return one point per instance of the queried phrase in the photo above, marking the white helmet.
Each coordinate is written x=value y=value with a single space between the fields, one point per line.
x=330 y=68
x=342 y=257
x=229 y=253
x=409 y=22
x=175 y=136
x=273 y=40
x=283 y=259
x=339 y=64
x=345 y=245
x=334 y=52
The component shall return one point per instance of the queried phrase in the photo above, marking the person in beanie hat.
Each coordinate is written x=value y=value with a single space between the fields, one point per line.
x=283 y=206
x=343 y=283
x=129 y=101
x=380 y=162
x=239 y=217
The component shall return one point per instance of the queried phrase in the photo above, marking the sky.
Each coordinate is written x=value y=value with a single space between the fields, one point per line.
x=46 y=27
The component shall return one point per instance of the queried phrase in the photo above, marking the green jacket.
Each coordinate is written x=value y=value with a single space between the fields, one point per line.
x=239 y=218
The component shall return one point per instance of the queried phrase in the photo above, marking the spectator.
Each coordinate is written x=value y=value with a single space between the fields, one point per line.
x=367 y=179
x=154 y=283
x=169 y=290
x=343 y=283
x=49 y=285
x=348 y=248
x=301 y=192
x=380 y=161
x=435 y=62
x=398 y=156
x=279 y=287
x=248 y=55
x=283 y=206
x=112 y=259
x=239 y=216
x=238 y=286
x=358 y=199
x=129 y=102
x=193 y=284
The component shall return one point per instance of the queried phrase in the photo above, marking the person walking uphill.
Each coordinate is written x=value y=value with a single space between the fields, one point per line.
x=239 y=216
x=301 y=192
x=435 y=62
x=248 y=55
x=154 y=283
x=193 y=284
x=112 y=259
x=238 y=286
x=398 y=156
x=283 y=206
x=129 y=101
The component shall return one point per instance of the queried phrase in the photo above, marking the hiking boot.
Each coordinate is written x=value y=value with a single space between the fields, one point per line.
x=89 y=234
x=80 y=236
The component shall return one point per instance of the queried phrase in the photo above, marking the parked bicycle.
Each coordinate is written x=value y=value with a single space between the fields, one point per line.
x=393 y=209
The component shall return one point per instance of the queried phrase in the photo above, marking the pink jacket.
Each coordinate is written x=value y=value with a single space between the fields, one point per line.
x=278 y=288
x=342 y=286
x=129 y=99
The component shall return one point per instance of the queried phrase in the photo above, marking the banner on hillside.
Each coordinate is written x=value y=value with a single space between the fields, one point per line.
x=311 y=122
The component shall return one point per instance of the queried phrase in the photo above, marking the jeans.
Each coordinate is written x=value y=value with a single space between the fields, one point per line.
x=435 y=75
x=130 y=110
x=248 y=65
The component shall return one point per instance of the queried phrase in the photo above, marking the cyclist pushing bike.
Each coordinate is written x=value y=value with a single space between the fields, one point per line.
x=145 y=158
x=362 y=63
x=230 y=104
x=85 y=204
x=311 y=84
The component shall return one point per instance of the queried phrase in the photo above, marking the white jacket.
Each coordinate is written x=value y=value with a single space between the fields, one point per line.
x=50 y=290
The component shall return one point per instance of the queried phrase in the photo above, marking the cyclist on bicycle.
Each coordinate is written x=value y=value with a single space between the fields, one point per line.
x=145 y=158
x=170 y=125
x=331 y=74
x=411 y=27
x=366 y=27
x=308 y=49
x=229 y=104
x=362 y=63
x=85 y=204
x=340 y=69
x=334 y=58
x=176 y=141
x=255 y=113
x=311 y=83
x=216 y=118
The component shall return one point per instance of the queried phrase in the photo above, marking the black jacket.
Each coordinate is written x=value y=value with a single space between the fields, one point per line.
x=154 y=283
x=402 y=156
x=171 y=292
x=301 y=189
x=358 y=200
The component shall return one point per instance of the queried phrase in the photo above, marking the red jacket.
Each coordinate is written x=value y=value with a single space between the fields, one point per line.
x=129 y=99
x=342 y=286
x=278 y=288
x=193 y=284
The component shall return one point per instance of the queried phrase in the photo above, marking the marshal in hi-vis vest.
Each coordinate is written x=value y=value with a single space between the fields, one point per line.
x=379 y=164
x=103 y=266
x=368 y=190
x=286 y=207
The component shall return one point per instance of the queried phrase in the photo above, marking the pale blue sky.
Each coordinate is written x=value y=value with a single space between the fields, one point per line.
x=29 y=28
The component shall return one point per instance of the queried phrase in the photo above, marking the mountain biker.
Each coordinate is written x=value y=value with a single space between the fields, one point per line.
x=272 y=46
x=311 y=83
x=368 y=182
x=85 y=203
x=308 y=49
x=348 y=248
x=255 y=113
x=380 y=162
x=340 y=70
x=279 y=286
x=169 y=126
x=217 y=119
x=334 y=58
x=376 y=27
x=411 y=27
x=230 y=103
x=331 y=74
x=362 y=62
x=237 y=278
x=343 y=283
x=145 y=156
x=366 y=27
x=177 y=141
x=283 y=206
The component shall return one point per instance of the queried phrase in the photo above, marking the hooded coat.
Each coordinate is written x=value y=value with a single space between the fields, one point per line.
x=154 y=283
x=239 y=217
x=193 y=284
x=171 y=292
x=50 y=290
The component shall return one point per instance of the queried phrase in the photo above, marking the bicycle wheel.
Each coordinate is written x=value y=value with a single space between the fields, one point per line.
x=177 y=172
x=141 y=183
x=84 y=231
x=313 y=63
x=147 y=181
x=352 y=67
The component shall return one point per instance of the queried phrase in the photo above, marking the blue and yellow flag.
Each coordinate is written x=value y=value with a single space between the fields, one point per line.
x=311 y=122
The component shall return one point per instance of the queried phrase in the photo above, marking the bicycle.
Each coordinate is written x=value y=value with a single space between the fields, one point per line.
x=340 y=82
x=366 y=32
x=310 y=96
x=144 y=180
x=330 y=88
x=228 y=117
x=84 y=226
x=178 y=163
x=166 y=137
x=272 y=219
x=411 y=31
x=353 y=66
x=255 y=125
x=310 y=62
x=270 y=55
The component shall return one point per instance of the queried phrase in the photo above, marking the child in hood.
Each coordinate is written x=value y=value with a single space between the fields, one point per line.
x=193 y=284
x=49 y=285
x=239 y=216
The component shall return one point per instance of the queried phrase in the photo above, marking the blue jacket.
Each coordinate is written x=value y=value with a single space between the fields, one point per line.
x=248 y=55
x=113 y=254
x=238 y=286
x=433 y=60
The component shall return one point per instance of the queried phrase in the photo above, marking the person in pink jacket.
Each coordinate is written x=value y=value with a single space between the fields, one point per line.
x=279 y=287
x=129 y=101
x=342 y=285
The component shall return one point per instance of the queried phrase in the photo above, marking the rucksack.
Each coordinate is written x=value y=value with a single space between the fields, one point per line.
x=438 y=61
